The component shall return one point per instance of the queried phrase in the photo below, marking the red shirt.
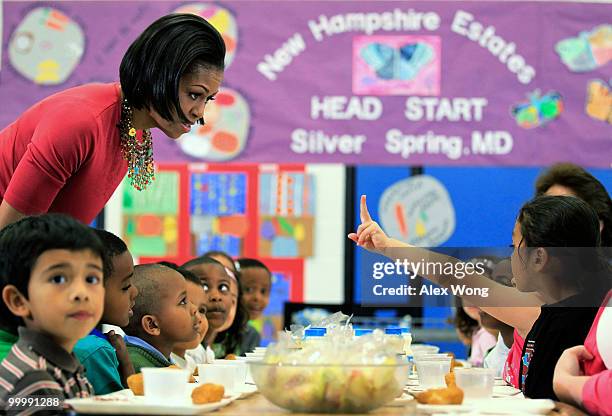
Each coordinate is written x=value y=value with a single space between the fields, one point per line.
x=64 y=153
x=597 y=390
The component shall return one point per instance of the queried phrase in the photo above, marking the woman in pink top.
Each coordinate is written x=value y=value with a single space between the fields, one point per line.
x=583 y=375
x=70 y=151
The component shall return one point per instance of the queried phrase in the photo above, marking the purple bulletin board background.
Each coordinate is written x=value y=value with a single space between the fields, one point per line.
x=280 y=107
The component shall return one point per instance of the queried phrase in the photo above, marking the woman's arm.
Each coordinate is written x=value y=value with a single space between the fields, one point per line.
x=517 y=309
x=8 y=214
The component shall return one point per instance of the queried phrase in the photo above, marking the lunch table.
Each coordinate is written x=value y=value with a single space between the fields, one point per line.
x=256 y=404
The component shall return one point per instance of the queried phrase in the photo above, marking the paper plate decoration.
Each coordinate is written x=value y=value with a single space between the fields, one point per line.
x=46 y=46
x=599 y=101
x=388 y=65
x=538 y=110
x=222 y=20
x=417 y=210
x=225 y=133
x=587 y=51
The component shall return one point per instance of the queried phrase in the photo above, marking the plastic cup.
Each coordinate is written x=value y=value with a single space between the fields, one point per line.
x=241 y=365
x=423 y=348
x=231 y=377
x=476 y=383
x=162 y=385
x=427 y=356
x=431 y=371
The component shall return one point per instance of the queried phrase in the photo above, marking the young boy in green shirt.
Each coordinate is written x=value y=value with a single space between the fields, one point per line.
x=163 y=316
x=105 y=356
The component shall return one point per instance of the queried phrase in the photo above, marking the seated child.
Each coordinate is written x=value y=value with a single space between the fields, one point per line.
x=189 y=354
x=226 y=315
x=223 y=258
x=497 y=356
x=256 y=281
x=105 y=356
x=52 y=272
x=583 y=374
x=163 y=316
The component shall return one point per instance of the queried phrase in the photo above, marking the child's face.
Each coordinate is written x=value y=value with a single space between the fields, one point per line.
x=177 y=318
x=65 y=295
x=196 y=295
x=256 y=284
x=232 y=312
x=120 y=292
x=519 y=260
x=216 y=284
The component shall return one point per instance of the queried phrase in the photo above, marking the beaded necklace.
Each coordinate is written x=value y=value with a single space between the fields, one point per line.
x=138 y=154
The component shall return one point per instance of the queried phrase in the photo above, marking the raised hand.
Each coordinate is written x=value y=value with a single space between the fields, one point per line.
x=369 y=235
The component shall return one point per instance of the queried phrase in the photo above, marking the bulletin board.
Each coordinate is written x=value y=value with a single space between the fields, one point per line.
x=261 y=211
x=481 y=202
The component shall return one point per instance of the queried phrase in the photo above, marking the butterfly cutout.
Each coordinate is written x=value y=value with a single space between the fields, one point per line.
x=599 y=101
x=539 y=110
x=403 y=63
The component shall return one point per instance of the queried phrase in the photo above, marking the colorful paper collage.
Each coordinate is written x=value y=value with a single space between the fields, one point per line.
x=418 y=210
x=151 y=218
x=225 y=134
x=396 y=65
x=218 y=212
x=47 y=46
x=286 y=215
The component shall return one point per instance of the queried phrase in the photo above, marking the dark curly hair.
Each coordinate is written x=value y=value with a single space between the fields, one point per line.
x=586 y=187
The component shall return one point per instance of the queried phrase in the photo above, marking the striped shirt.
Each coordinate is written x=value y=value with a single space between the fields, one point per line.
x=38 y=368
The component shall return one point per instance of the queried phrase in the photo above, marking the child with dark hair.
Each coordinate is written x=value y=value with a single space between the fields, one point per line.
x=105 y=356
x=8 y=326
x=52 y=273
x=558 y=272
x=223 y=258
x=189 y=354
x=163 y=316
x=570 y=179
x=226 y=314
x=256 y=281
x=497 y=357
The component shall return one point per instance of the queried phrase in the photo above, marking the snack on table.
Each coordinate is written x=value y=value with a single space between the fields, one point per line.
x=449 y=378
x=207 y=393
x=448 y=395
x=230 y=357
x=136 y=383
x=195 y=372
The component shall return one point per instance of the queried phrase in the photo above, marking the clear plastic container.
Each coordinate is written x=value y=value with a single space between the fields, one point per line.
x=394 y=337
x=362 y=331
x=476 y=383
x=314 y=336
x=329 y=388
x=431 y=371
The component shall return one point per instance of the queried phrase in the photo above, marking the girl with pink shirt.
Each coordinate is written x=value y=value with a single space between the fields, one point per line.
x=583 y=375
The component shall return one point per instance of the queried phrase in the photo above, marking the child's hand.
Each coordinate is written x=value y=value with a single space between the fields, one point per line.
x=126 y=368
x=569 y=362
x=569 y=379
x=369 y=235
